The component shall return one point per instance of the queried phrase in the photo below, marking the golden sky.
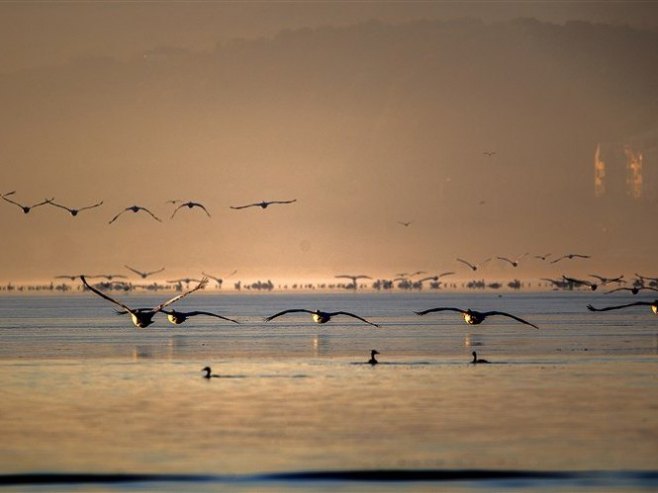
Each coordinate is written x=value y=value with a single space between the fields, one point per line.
x=367 y=124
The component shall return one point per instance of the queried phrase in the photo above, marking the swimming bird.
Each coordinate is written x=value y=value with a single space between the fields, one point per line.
x=264 y=204
x=634 y=290
x=141 y=317
x=177 y=318
x=135 y=208
x=26 y=208
x=144 y=275
x=319 y=317
x=476 y=360
x=472 y=317
x=208 y=374
x=515 y=262
x=72 y=278
x=189 y=205
x=372 y=360
x=569 y=256
x=473 y=267
x=74 y=212
x=652 y=304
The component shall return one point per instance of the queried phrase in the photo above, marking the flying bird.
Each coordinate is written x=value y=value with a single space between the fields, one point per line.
x=74 y=212
x=543 y=257
x=26 y=208
x=141 y=317
x=580 y=282
x=515 y=262
x=477 y=360
x=634 y=290
x=109 y=277
x=353 y=278
x=135 y=208
x=190 y=205
x=472 y=317
x=652 y=304
x=319 y=317
x=264 y=204
x=489 y=153
x=406 y=224
x=177 y=318
x=144 y=275
x=66 y=276
x=569 y=256
x=473 y=267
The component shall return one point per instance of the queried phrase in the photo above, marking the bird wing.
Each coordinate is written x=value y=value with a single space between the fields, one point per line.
x=440 y=309
x=465 y=262
x=152 y=215
x=201 y=206
x=244 y=206
x=353 y=316
x=446 y=274
x=558 y=259
x=210 y=314
x=103 y=295
x=176 y=210
x=90 y=206
x=117 y=216
x=154 y=272
x=281 y=201
x=617 y=307
x=55 y=204
x=181 y=296
x=292 y=310
x=486 y=314
x=43 y=202
x=11 y=201
x=134 y=270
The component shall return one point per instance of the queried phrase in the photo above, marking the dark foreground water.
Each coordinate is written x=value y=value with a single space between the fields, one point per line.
x=89 y=403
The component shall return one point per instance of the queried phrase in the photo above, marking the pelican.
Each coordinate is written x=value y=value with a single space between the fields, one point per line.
x=109 y=277
x=569 y=256
x=652 y=304
x=354 y=278
x=515 y=262
x=609 y=280
x=178 y=318
x=264 y=204
x=372 y=360
x=74 y=212
x=189 y=205
x=208 y=374
x=135 y=208
x=580 y=282
x=489 y=153
x=476 y=360
x=319 y=317
x=472 y=317
x=141 y=317
x=26 y=208
x=65 y=276
x=473 y=267
x=634 y=290
x=143 y=275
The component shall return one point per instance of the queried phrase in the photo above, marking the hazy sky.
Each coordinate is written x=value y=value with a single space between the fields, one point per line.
x=365 y=125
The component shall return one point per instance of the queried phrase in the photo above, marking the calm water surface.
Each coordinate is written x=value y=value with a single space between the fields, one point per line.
x=572 y=406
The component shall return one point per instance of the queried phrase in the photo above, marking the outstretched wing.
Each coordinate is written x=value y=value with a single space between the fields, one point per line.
x=134 y=270
x=176 y=210
x=504 y=314
x=201 y=206
x=11 y=201
x=152 y=215
x=505 y=259
x=465 y=262
x=292 y=310
x=440 y=309
x=103 y=295
x=244 y=206
x=117 y=216
x=617 y=307
x=353 y=316
x=282 y=201
x=201 y=284
x=210 y=314
x=55 y=204
x=90 y=206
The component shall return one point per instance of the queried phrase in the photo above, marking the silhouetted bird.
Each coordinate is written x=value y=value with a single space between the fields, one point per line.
x=652 y=304
x=72 y=278
x=26 y=208
x=264 y=204
x=543 y=257
x=609 y=280
x=515 y=262
x=372 y=360
x=177 y=318
x=569 y=256
x=580 y=282
x=406 y=224
x=208 y=374
x=319 y=317
x=74 y=212
x=489 y=153
x=141 y=317
x=476 y=360
x=472 y=317
x=634 y=290
x=109 y=277
x=135 y=208
x=473 y=267
x=189 y=205
x=144 y=275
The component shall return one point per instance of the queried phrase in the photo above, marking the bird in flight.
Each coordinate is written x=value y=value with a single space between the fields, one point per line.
x=406 y=224
x=26 y=208
x=634 y=290
x=135 y=208
x=608 y=280
x=652 y=304
x=141 y=317
x=580 y=282
x=73 y=212
x=66 y=276
x=569 y=256
x=144 y=275
x=473 y=267
x=177 y=318
x=190 y=205
x=543 y=257
x=109 y=277
x=489 y=153
x=319 y=317
x=264 y=204
x=472 y=317
x=514 y=262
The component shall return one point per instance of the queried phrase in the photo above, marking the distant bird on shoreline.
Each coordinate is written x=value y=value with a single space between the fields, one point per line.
x=264 y=204
x=473 y=317
x=652 y=304
x=141 y=317
x=473 y=267
x=543 y=257
x=476 y=360
x=318 y=316
x=569 y=256
x=373 y=361
x=177 y=318
x=489 y=153
x=73 y=212
x=26 y=208
x=190 y=205
x=135 y=209
x=144 y=275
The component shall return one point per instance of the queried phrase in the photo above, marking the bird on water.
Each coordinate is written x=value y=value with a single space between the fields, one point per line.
x=373 y=361
x=318 y=316
x=209 y=373
x=473 y=317
x=141 y=317
x=264 y=204
x=476 y=360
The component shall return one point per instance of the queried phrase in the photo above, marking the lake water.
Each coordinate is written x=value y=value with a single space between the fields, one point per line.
x=88 y=402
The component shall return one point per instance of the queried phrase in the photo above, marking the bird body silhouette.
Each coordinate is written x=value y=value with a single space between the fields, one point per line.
x=135 y=209
x=319 y=316
x=652 y=304
x=177 y=318
x=473 y=267
x=26 y=208
x=73 y=212
x=190 y=205
x=208 y=373
x=476 y=360
x=569 y=256
x=264 y=204
x=141 y=274
x=373 y=361
x=473 y=317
